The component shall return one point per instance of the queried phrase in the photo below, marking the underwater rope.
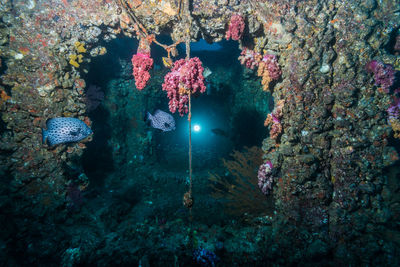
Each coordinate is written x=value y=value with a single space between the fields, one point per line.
x=188 y=200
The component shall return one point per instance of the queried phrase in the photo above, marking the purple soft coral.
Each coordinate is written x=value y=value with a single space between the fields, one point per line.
x=384 y=74
x=394 y=110
x=265 y=177
x=271 y=64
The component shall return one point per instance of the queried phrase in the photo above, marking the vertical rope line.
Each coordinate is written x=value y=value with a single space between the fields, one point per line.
x=188 y=22
x=190 y=145
x=187 y=42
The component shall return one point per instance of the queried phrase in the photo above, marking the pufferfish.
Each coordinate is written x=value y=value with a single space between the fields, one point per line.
x=65 y=130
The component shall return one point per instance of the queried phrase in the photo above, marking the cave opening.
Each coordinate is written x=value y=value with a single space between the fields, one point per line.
x=127 y=153
x=221 y=127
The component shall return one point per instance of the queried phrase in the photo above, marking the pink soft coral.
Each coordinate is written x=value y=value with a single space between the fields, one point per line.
x=249 y=58
x=186 y=76
x=269 y=70
x=141 y=63
x=274 y=119
x=235 y=28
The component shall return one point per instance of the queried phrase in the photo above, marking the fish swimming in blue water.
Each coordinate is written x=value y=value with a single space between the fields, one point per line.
x=65 y=130
x=161 y=120
x=220 y=132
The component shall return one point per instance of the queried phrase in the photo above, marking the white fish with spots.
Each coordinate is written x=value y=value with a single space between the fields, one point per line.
x=65 y=130
x=161 y=120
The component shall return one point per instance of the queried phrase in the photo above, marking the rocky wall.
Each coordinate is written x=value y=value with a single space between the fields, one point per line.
x=334 y=148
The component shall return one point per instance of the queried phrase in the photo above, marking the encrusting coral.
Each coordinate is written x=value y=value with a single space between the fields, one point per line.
x=394 y=117
x=76 y=59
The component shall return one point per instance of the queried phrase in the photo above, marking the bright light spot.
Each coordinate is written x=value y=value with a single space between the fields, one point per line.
x=196 y=128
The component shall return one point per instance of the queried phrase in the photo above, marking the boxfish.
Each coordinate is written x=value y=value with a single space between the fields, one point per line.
x=64 y=130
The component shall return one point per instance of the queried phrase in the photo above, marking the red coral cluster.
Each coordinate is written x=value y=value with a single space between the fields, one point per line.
x=142 y=63
x=235 y=28
x=185 y=77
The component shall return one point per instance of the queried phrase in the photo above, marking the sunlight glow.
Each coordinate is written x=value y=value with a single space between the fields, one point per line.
x=196 y=128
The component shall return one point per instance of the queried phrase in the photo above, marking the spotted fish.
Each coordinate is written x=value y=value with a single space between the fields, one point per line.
x=161 y=120
x=65 y=130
